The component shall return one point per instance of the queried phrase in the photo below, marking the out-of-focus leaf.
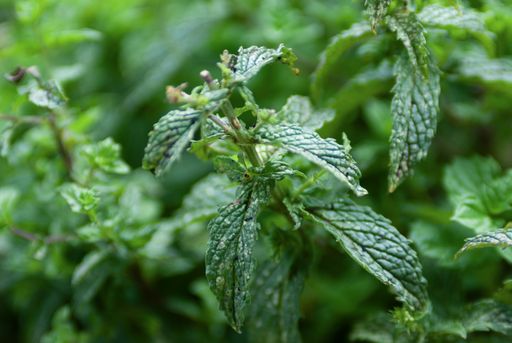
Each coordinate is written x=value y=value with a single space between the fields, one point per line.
x=299 y=110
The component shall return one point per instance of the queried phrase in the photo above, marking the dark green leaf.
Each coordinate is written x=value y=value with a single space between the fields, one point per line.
x=324 y=152
x=377 y=246
x=229 y=257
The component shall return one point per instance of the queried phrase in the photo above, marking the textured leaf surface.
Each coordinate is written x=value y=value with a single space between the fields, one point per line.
x=299 y=110
x=338 y=45
x=275 y=306
x=451 y=17
x=325 y=152
x=170 y=136
x=377 y=246
x=498 y=238
x=415 y=108
x=377 y=10
x=250 y=60
x=409 y=30
x=229 y=257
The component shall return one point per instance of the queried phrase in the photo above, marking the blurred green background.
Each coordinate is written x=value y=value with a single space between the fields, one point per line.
x=114 y=58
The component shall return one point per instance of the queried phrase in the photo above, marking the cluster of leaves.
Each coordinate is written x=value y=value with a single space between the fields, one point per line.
x=93 y=248
x=254 y=158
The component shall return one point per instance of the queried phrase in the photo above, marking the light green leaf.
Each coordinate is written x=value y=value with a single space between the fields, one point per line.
x=47 y=94
x=80 y=199
x=372 y=241
x=106 y=155
x=170 y=136
x=338 y=45
x=488 y=315
x=229 y=256
x=451 y=17
x=415 y=108
x=249 y=61
x=299 y=110
x=324 y=152
x=498 y=238
x=377 y=10
x=478 y=192
x=275 y=307
x=8 y=199
x=477 y=66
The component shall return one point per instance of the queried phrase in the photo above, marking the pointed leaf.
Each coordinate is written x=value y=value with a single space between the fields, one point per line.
x=377 y=10
x=275 y=305
x=498 y=238
x=377 y=246
x=170 y=136
x=229 y=257
x=409 y=30
x=324 y=152
x=249 y=61
x=415 y=108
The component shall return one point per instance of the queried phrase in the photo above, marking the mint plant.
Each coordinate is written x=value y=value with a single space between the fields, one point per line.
x=255 y=158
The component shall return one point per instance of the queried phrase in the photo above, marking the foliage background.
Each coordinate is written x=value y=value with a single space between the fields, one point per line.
x=113 y=59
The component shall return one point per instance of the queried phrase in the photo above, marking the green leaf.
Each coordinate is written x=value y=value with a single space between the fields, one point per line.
x=477 y=66
x=372 y=241
x=80 y=199
x=249 y=61
x=498 y=238
x=377 y=10
x=452 y=17
x=299 y=110
x=338 y=45
x=275 y=307
x=170 y=136
x=409 y=30
x=8 y=199
x=229 y=256
x=488 y=315
x=324 y=152
x=478 y=192
x=47 y=94
x=90 y=275
x=415 y=108
x=174 y=131
x=106 y=155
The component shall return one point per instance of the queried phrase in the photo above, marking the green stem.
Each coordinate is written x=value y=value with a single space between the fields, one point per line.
x=309 y=182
